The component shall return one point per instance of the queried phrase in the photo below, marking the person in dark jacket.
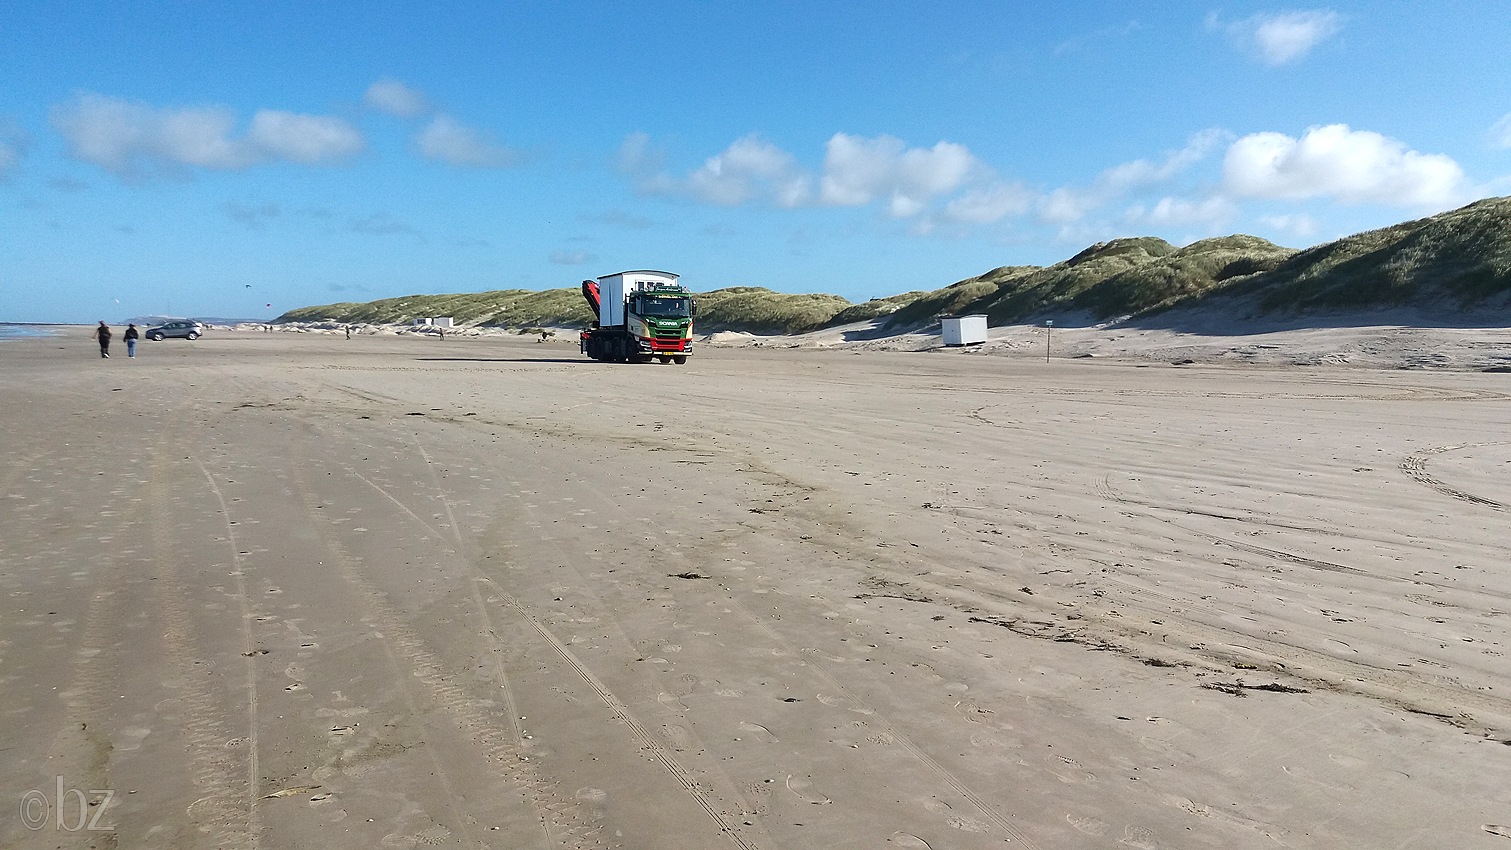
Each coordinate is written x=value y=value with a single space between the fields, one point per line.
x=130 y=336
x=102 y=333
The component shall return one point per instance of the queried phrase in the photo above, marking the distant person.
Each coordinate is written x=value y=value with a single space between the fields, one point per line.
x=130 y=336
x=102 y=333
x=348 y=331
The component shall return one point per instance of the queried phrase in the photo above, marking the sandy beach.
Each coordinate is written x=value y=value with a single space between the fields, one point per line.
x=292 y=590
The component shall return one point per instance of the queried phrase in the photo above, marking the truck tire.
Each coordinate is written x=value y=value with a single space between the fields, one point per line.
x=679 y=359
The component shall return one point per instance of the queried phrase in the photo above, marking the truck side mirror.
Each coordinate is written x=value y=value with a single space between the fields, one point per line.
x=694 y=310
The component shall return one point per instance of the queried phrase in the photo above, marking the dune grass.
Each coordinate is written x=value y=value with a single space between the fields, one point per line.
x=1459 y=257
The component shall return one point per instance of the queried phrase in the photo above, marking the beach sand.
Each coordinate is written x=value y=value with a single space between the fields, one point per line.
x=284 y=590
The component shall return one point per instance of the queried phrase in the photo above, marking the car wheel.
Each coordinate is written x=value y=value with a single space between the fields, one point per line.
x=155 y=337
x=191 y=335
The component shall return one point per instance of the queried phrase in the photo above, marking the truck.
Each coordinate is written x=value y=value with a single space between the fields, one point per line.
x=642 y=314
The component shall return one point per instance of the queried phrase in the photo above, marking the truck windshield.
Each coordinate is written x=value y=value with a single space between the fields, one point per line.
x=662 y=306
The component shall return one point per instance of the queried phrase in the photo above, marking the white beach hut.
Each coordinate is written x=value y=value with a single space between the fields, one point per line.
x=963 y=330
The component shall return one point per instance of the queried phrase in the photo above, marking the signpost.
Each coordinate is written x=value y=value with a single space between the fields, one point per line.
x=1049 y=325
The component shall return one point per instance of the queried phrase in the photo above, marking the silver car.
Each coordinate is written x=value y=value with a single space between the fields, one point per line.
x=178 y=330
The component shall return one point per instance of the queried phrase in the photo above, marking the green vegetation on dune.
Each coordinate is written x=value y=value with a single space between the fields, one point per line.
x=504 y=307
x=1057 y=286
x=960 y=298
x=1460 y=257
x=1188 y=273
x=874 y=309
x=755 y=309
x=1457 y=258
x=746 y=308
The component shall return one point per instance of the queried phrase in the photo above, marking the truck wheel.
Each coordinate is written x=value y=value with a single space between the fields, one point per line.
x=664 y=358
x=679 y=359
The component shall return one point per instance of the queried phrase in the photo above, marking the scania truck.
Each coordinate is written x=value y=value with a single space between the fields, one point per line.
x=641 y=314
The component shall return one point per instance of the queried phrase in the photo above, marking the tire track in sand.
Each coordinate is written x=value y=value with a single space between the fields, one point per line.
x=559 y=816
x=247 y=646
x=1415 y=465
x=643 y=736
x=896 y=735
x=226 y=809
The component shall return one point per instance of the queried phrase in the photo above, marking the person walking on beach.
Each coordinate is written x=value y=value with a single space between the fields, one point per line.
x=130 y=336
x=102 y=333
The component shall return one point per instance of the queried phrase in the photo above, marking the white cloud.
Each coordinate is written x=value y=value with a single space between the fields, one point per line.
x=571 y=258
x=749 y=169
x=858 y=171
x=1500 y=132
x=638 y=156
x=989 y=204
x=1211 y=213
x=1068 y=204
x=451 y=142
x=396 y=99
x=1277 y=39
x=133 y=140
x=1351 y=166
x=1065 y=205
x=1142 y=172
x=1299 y=224
x=307 y=139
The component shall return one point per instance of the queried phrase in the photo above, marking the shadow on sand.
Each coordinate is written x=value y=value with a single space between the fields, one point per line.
x=504 y=360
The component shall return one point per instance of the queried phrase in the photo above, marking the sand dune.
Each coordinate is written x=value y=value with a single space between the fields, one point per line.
x=288 y=590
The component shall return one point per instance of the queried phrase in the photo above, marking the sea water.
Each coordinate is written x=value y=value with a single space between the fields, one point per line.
x=10 y=331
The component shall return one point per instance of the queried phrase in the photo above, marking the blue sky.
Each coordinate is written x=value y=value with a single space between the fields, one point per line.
x=242 y=159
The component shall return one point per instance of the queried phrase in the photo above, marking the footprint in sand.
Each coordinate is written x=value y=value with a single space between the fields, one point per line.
x=759 y=732
x=908 y=839
x=839 y=701
x=672 y=702
x=758 y=794
x=1088 y=825
x=972 y=712
x=804 y=789
x=1076 y=774
x=592 y=800
x=1494 y=829
x=1143 y=839
x=678 y=737
x=968 y=825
